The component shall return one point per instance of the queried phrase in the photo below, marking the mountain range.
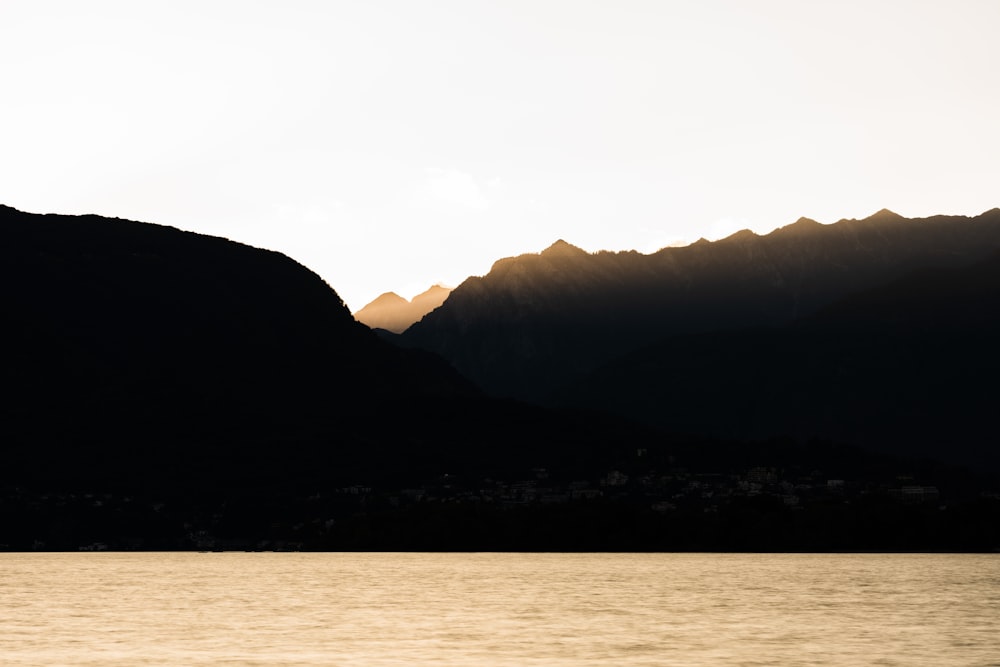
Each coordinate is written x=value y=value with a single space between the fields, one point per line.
x=165 y=390
x=392 y=312
x=537 y=323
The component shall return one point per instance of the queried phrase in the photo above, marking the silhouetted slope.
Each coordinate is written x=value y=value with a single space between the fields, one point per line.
x=537 y=322
x=910 y=368
x=134 y=346
x=394 y=313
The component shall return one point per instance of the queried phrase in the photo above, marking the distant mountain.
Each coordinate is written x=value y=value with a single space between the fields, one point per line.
x=908 y=368
x=539 y=322
x=394 y=313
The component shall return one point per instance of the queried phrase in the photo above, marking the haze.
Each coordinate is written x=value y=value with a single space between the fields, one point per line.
x=392 y=145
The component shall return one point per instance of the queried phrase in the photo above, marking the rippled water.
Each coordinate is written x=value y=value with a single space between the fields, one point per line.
x=498 y=609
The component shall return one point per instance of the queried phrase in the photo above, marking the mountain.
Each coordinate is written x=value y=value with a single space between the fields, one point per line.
x=539 y=322
x=905 y=368
x=167 y=390
x=128 y=344
x=394 y=313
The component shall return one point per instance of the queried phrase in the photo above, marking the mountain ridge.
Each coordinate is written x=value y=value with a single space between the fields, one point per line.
x=538 y=320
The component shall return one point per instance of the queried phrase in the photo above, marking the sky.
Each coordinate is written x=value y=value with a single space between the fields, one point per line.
x=390 y=145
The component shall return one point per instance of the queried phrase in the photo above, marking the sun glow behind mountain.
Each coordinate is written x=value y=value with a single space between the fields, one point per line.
x=413 y=143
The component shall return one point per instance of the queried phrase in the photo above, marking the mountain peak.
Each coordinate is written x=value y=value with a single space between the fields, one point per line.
x=562 y=249
x=434 y=290
x=387 y=298
x=803 y=225
x=742 y=235
x=433 y=296
x=885 y=214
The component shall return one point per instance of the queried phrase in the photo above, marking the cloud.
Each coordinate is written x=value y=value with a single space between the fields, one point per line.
x=454 y=187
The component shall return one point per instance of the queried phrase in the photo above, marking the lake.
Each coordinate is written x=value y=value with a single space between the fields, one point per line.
x=382 y=609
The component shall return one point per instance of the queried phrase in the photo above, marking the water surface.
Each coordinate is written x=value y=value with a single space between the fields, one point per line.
x=498 y=609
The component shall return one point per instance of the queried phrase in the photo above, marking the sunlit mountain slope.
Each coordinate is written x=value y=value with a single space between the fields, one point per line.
x=394 y=313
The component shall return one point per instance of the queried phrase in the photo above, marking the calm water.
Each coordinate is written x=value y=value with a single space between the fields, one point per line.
x=498 y=609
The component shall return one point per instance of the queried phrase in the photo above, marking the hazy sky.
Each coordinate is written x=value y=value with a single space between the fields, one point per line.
x=390 y=145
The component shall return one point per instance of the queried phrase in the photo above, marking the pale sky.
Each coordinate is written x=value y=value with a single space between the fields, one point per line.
x=389 y=145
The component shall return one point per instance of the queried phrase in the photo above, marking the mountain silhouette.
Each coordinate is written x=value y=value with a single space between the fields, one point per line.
x=539 y=322
x=133 y=345
x=392 y=312
x=168 y=390
x=562 y=249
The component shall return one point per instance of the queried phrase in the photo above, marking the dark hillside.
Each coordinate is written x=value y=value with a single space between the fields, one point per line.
x=135 y=346
x=909 y=368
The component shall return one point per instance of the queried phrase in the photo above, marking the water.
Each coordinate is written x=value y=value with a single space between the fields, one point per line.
x=498 y=609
